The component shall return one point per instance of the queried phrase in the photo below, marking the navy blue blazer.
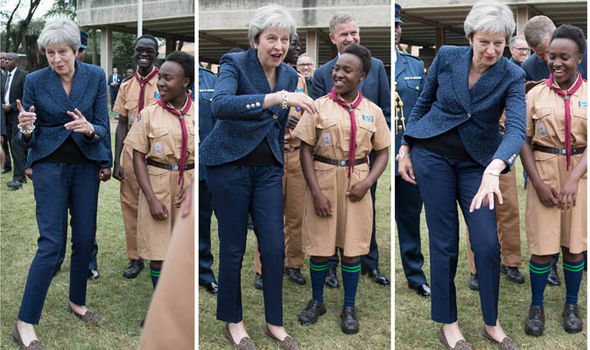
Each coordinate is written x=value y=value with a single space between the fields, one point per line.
x=375 y=86
x=237 y=104
x=447 y=102
x=43 y=89
x=206 y=119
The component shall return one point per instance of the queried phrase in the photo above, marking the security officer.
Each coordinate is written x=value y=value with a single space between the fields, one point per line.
x=206 y=123
x=409 y=80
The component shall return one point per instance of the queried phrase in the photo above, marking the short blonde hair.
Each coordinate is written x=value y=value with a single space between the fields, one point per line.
x=489 y=16
x=58 y=31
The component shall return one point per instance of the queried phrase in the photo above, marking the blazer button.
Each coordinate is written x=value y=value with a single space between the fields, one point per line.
x=274 y=116
x=257 y=104
x=247 y=106
x=417 y=88
x=469 y=115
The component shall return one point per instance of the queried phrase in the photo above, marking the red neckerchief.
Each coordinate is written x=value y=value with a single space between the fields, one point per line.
x=568 y=118
x=184 y=132
x=142 y=83
x=350 y=107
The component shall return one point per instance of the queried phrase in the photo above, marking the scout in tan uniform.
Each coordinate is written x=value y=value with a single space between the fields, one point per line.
x=293 y=200
x=163 y=158
x=128 y=105
x=171 y=317
x=555 y=158
x=338 y=210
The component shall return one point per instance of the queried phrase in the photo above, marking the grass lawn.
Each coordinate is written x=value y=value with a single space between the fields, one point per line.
x=415 y=330
x=372 y=300
x=119 y=302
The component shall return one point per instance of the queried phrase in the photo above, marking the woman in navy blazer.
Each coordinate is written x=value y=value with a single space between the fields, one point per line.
x=457 y=154
x=244 y=159
x=63 y=119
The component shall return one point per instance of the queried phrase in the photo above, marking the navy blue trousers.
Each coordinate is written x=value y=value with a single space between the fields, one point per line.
x=408 y=205
x=237 y=191
x=443 y=182
x=93 y=264
x=205 y=211
x=57 y=187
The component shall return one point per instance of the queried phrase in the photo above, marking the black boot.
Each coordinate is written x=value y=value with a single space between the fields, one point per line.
x=349 y=323
x=312 y=312
x=535 y=324
x=572 y=323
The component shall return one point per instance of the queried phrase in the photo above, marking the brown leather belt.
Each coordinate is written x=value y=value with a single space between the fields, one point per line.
x=339 y=162
x=173 y=167
x=560 y=151
x=292 y=149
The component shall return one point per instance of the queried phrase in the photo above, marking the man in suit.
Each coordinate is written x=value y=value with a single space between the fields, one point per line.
x=409 y=81
x=115 y=80
x=305 y=67
x=344 y=30
x=12 y=89
x=519 y=49
x=7 y=166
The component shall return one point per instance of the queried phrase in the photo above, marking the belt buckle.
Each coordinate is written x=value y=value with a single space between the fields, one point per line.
x=562 y=151
x=174 y=167
x=342 y=162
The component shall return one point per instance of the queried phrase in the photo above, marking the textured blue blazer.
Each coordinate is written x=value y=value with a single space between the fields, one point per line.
x=237 y=104
x=447 y=102
x=43 y=89
x=375 y=86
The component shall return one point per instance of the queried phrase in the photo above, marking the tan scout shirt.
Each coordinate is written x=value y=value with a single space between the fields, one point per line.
x=328 y=132
x=128 y=97
x=290 y=141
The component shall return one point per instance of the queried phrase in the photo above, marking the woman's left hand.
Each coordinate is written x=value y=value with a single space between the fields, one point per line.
x=79 y=124
x=490 y=185
x=358 y=191
x=104 y=174
x=567 y=196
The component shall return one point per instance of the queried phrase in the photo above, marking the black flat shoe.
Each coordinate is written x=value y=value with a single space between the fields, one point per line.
x=134 y=268
x=211 y=287
x=93 y=274
x=376 y=276
x=553 y=279
x=258 y=284
x=295 y=275
x=331 y=278
x=312 y=312
x=572 y=323
x=535 y=323
x=349 y=322
x=473 y=282
x=512 y=274
x=422 y=290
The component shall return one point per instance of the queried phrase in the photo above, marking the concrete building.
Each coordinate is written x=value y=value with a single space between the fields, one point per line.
x=224 y=24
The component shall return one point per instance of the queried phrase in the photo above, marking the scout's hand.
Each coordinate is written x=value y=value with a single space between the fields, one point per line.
x=292 y=122
x=567 y=196
x=180 y=197
x=26 y=119
x=322 y=205
x=490 y=185
x=547 y=195
x=358 y=191
x=158 y=210
x=80 y=124
x=118 y=172
x=104 y=174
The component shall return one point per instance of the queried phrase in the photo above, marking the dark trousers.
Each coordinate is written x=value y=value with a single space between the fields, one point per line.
x=6 y=148
x=93 y=265
x=369 y=261
x=114 y=93
x=57 y=187
x=237 y=191
x=205 y=211
x=408 y=205
x=443 y=182
x=18 y=151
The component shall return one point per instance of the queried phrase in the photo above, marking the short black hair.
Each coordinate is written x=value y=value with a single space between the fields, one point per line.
x=187 y=61
x=574 y=33
x=362 y=53
x=149 y=37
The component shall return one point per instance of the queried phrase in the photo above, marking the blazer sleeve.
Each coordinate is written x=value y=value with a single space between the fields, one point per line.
x=318 y=86
x=29 y=100
x=384 y=94
x=515 y=123
x=226 y=104
x=427 y=97
x=100 y=114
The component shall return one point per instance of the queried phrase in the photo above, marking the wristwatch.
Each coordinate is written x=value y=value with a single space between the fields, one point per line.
x=401 y=154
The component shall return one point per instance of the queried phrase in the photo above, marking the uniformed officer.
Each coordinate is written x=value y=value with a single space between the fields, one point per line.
x=136 y=92
x=206 y=123
x=409 y=80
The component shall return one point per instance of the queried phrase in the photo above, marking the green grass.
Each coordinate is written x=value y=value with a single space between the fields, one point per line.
x=415 y=330
x=119 y=302
x=372 y=300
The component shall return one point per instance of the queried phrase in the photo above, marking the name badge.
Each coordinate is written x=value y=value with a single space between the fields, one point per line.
x=368 y=117
x=413 y=78
x=542 y=129
x=156 y=94
x=327 y=139
x=582 y=104
x=158 y=148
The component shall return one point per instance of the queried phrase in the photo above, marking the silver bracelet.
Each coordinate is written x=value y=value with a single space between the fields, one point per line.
x=285 y=102
x=401 y=155
x=26 y=131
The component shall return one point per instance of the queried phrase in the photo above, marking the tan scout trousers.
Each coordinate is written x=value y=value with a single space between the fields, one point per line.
x=293 y=201
x=129 y=197
x=508 y=222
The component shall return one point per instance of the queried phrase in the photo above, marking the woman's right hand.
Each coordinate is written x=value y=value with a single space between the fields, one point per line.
x=26 y=119
x=158 y=210
x=322 y=205
x=404 y=165
x=301 y=100
x=547 y=194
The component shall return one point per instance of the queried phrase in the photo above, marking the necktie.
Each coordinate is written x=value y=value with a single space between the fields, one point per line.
x=142 y=83
x=184 y=132
x=568 y=117
x=350 y=107
x=7 y=85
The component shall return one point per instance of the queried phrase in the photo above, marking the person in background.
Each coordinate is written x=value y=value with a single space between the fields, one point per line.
x=519 y=50
x=305 y=67
x=7 y=165
x=115 y=81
